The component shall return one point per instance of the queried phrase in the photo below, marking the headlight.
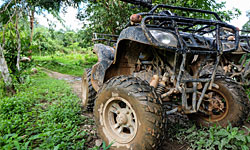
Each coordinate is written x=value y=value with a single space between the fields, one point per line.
x=164 y=37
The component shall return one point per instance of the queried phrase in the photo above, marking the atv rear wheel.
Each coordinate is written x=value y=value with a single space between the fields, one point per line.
x=88 y=92
x=227 y=104
x=128 y=114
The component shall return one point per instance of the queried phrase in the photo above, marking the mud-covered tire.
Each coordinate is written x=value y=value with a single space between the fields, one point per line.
x=88 y=93
x=144 y=106
x=238 y=105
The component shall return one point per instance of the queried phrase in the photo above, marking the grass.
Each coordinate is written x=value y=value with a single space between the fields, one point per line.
x=72 y=64
x=44 y=114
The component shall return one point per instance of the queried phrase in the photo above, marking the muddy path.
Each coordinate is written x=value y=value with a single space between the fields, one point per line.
x=89 y=127
x=74 y=81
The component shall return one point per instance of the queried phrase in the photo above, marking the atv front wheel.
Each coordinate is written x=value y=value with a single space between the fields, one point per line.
x=88 y=92
x=128 y=114
x=225 y=104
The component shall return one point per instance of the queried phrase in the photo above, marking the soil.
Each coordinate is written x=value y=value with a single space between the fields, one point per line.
x=88 y=126
x=75 y=82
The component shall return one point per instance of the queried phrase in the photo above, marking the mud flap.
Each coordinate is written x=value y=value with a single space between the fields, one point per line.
x=105 y=59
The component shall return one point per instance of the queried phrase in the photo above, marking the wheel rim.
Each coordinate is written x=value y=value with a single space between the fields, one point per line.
x=84 y=90
x=215 y=106
x=120 y=120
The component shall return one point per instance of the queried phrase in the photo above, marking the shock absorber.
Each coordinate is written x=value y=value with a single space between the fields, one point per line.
x=154 y=82
x=161 y=88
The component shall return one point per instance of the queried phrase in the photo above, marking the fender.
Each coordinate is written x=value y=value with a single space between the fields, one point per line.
x=105 y=59
x=119 y=61
x=134 y=34
x=107 y=55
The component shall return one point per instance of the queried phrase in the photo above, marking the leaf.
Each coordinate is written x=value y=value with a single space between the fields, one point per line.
x=26 y=145
x=217 y=143
x=10 y=135
x=244 y=147
x=248 y=139
x=106 y=147
x=191 y=129
x=241 y=138
x=17 y=145
x=248 y=129
x=223 y=143
x=222 y=132
x=57 y=147
x=37 y=136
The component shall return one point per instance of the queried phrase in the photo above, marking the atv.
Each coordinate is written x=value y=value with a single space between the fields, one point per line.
x=164 y=63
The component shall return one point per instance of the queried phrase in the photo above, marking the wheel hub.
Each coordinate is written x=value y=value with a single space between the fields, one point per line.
x=215 y=106
x=120 y=120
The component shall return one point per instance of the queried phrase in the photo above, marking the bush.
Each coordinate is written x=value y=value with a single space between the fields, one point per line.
x=72 y=64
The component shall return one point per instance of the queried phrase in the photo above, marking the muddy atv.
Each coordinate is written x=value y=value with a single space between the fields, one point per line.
x=162 y=64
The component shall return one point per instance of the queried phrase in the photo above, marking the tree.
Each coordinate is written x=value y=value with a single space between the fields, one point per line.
x=111 y=16
x=9 y=18
x=105 y=16
x=5 y=72
x=12 y=14
x=246 y=26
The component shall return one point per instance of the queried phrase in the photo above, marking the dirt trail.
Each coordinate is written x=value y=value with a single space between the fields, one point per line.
x=75 y=82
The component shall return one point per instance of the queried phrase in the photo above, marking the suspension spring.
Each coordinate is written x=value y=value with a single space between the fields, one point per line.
x=160 y=89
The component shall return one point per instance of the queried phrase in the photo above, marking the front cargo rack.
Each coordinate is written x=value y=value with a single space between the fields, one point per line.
x=183 y=28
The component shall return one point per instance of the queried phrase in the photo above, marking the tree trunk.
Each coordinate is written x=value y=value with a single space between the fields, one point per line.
x=32 y=18
x=18 y=44
x=5 y=73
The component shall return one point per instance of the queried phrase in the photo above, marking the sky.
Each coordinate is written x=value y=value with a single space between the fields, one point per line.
x=243 y=5
x=70 y=19
x=72 y=22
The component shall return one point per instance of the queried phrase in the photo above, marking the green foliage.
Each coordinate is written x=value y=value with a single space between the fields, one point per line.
x=44 y=114
x=108 y=16
x=11 y=49
x=105 y=16
x=14 y=20
x=72 y=64
x=102 y=147
x=2 y=91
x=47 y=41
x=212 y=138
x=246 y=26
x=39 y=6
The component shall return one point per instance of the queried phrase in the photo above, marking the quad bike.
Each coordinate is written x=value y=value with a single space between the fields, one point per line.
x=164 y=63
